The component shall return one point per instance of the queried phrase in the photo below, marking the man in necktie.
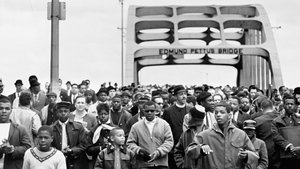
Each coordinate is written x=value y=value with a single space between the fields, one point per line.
x=69 y=137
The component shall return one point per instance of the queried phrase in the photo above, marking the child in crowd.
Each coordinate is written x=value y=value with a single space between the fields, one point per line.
x=44 y=156
x=99 y=135
x=116 y=155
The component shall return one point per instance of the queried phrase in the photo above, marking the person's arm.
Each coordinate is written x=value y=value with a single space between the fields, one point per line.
x=179 y=153
x=132 y=140
x=100 y=161
x=36 y=124
x=83 y=142
x=25 y=144
x=278 y=138
x=263 y=157
x=62 y=161
x=168 y=143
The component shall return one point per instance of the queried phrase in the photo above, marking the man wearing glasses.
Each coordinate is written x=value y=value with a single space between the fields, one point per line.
x=151 y=139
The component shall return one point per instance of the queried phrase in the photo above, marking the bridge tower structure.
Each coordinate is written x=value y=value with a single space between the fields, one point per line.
x=238 y=36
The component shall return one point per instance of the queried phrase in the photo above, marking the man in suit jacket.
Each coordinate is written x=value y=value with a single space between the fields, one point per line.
x=39 y=98
x=69 y=137
x=13 y=147
x=18 y=85
x=238 y=117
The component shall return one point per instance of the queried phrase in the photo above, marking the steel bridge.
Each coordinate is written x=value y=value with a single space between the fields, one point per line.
x=237 y=36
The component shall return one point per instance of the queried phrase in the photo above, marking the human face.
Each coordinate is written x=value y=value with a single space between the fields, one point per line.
x=181 y=97
x=221 y=115
x=159 y=101
x=19 y=87
x=245 y=104
x=125 y=99
x=44 y=141
x=5 y=110
x=74 y=89
x=118 y=138
x=102 y=97
x=289 y=106
x=253 y=93
x=250 y=133
x=80 y=104
x=165 y=98
x=63 y=114
x=234 y=103
x=36 y=89
x=149 y=112
x=52 y=99
x=116 y=103
x=82 y=88
x=209 y=103
x=217 y=99
x=103 y=116
x=111 y=93
x=197 y=93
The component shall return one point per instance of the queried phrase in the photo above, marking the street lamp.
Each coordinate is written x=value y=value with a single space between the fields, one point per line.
x=122 y=42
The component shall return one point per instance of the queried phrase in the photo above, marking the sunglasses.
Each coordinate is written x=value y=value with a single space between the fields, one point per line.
x=149 y=111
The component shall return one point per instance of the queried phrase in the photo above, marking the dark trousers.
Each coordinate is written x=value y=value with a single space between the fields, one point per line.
x=289 y=163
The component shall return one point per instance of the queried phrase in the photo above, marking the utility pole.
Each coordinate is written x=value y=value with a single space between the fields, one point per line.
x=56 y=12
x=122 y=43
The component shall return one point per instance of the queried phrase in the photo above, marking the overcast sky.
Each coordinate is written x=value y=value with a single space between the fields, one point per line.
x=90 y=41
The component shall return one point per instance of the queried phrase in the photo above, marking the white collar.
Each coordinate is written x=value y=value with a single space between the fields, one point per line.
x=180 y=106
x=61 y=123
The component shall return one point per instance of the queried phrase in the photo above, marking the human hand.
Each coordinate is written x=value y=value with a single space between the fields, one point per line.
x=154 y=156
x=206 y=149
x=67 y=151
x=6 y=148
x=144 y=155
x=242 y=154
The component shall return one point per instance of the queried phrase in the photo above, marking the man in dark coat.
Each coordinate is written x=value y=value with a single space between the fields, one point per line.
x=289 y=151
x=69 y=137
x=18 y=140
x=263 y=132
x=174 y=116
x=195 y=125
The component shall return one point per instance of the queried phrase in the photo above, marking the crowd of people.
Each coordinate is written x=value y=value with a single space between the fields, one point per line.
x=149 y=127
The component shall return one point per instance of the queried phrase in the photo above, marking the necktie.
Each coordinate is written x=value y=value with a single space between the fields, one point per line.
x=64 y=142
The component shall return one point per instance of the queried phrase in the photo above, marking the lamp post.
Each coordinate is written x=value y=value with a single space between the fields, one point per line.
x=122 y=42
x=56 y=12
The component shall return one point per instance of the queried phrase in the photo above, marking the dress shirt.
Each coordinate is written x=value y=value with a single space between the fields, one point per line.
x=64 y=140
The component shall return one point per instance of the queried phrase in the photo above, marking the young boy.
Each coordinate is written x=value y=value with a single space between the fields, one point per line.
x=44 y=156
x=116 y=155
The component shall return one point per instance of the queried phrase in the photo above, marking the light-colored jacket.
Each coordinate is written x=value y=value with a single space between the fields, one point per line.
x=160 y=140
x=225 y=148
x=27 y=118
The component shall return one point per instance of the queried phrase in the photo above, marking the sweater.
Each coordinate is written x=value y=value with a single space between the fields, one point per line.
x=160 y=140
x=35 y=159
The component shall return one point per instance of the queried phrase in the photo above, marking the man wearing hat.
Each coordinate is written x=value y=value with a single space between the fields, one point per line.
x=18 y=85
x=49 y=116
x=195 y=126
x=126 y=100
x=204 y=99
x=102 y=96
x=69 y=137
x=259 y=145
x=174 y=116
x=38 y=97
x=138 y=112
